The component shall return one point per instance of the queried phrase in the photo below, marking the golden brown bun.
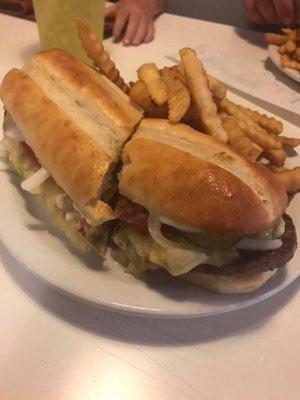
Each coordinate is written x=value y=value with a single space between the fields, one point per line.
x=101 y=98
x=195 y=180
x=233 y=284
x=74 y=159
x=76 y=122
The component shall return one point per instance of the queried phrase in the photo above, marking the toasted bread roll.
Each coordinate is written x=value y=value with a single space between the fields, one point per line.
x=197 y=181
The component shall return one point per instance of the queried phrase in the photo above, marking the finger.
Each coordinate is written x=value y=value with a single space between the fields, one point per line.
x=141 y=32
x=111 y=11
x=253 y=13
x=120 y=21
x=267 y=10
x=297 y=12
x=150 y=35
x=131 y=30
x=285 y=11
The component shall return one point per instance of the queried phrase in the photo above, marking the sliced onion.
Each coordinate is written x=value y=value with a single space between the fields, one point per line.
x=154 y=227
x=35 y=180
x=14 y=132
x=259 y=244
x=180 y=260
x=181 y=227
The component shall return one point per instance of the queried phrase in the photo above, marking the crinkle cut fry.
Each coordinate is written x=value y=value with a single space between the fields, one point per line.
x=290 y=179
x=178 y=95
x=270 y=124
x=150 y=75
x=239 y=140
x=255 y=132
x=202 y=97
x=96 y=52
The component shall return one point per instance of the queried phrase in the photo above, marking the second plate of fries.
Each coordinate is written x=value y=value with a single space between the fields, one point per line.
x=284 y=51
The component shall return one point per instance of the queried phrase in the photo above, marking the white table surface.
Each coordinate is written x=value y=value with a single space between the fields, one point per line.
x=54 y=348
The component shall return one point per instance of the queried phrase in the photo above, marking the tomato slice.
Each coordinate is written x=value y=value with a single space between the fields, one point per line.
x=132 y=213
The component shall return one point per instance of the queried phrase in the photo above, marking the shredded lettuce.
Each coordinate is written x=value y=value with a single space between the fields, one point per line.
x=143 y=253
x=49 y=190
x=19 y=158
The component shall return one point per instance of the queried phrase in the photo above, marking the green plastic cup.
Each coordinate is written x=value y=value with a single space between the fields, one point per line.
x=56 y=23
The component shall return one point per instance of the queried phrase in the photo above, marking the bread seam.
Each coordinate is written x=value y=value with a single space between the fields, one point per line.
x=77 y=112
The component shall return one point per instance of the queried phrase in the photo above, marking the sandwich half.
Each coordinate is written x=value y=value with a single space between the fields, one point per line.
x=196 y=208
x=64 y=128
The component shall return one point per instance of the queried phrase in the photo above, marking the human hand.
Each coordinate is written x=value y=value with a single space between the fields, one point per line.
x=136 y=17
x=273 y=11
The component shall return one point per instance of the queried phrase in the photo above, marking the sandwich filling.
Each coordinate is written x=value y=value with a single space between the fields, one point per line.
x=37 y=180
x=147 y=241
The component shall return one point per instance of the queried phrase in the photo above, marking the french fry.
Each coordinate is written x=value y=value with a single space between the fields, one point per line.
x=270 y=124
x=202 y=97
x=289 y=33
x=290 y=179
x=286 y=62
x=139 y=94
x=276 y=157
x=218 y=88
x=289 y=47
x=255 y=132
x=239 y=140
x=296 y=55
x=291 y=142
x=178 y=96
x=156 y=87
x=274 y=38
x=179 y=71
x=96 y=52
x=273 y=168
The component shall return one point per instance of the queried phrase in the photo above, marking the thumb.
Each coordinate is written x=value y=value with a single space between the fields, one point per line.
x=110 y=12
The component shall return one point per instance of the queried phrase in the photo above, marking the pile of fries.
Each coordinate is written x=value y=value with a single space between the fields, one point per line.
x=186 y=93
x=288 y=47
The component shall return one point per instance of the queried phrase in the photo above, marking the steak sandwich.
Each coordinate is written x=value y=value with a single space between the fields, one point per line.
x=65 y=126
x=198 y=209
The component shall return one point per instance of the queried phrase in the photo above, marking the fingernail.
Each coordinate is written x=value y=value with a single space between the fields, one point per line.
x=126 y=42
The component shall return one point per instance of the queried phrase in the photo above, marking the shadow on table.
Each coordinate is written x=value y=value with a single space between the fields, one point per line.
x=280 y=76
x=253 y=37
x=142 y=330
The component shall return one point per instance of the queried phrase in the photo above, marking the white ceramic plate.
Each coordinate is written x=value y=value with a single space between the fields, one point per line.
x=28 y=234
x=275 y=57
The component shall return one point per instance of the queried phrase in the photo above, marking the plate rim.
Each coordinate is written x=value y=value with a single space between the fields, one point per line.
x=274 y=57
x=151 y=312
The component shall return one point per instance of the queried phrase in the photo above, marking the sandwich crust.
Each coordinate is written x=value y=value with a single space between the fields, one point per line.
x=195 y=180
x=76 y=162
x=110 y=104
x=235 y=284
